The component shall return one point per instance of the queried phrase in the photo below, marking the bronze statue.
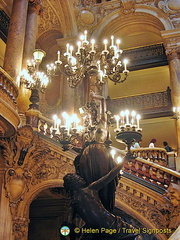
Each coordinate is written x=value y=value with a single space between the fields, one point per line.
x=87 y=204
x=94 y=162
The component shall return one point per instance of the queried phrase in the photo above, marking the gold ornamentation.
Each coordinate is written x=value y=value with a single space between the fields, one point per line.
x=50 y=19
x=129 y=6
x=173 y=193
x=20 y=227
x=147 y=210
x=30 y=161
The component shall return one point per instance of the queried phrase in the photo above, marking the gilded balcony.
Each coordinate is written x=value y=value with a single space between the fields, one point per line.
x=9 y=118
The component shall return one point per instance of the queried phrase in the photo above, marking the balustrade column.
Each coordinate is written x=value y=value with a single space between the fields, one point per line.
x=171 y=40
x=15 y=40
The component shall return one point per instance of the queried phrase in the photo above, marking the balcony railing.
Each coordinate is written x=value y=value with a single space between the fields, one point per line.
x=8 y=107
x=156 y=104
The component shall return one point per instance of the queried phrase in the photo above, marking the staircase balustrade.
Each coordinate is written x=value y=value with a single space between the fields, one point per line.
x=149 y=164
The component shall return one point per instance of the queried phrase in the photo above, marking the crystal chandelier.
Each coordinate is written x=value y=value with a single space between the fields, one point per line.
x=33 y=78
x=86 y=60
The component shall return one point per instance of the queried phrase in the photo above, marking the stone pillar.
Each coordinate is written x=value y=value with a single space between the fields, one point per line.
x=171 y=39
x=15 y=40
x=34 y=9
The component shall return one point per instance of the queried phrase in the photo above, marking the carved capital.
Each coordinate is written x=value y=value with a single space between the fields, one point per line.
x=35 y=6
x=173 y=52
x=171 y=39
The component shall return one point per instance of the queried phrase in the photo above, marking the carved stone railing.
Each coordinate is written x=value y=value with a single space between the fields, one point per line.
x=149 y=163
x=156 y=155
x=149 y=172
x=156 y=104
x=8 y=106
x=45 y=126
x=8 y=85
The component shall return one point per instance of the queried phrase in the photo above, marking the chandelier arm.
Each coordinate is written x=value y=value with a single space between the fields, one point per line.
x=119 y=80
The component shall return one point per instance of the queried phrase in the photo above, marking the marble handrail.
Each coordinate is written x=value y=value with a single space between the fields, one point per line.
x=149 y=171
x=156 y=155
x=148 y=163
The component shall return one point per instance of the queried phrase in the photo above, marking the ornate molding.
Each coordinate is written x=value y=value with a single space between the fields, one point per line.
x=158 y=103
x=162 y=211
x=102 y=9
x=20 y=227
x=172 y=9
x=156 y=214
x=49 y=20
x=173 y=194
x=171 y=40
x=30 y=161
x=148 y=56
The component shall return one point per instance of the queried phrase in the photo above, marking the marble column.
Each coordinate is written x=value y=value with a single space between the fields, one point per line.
x=15 y=40
x=34 y=9
x=171 y=39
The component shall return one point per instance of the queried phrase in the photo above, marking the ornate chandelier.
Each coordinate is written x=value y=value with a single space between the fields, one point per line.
x=105 y=64
x=73 y=132
x=33 y=78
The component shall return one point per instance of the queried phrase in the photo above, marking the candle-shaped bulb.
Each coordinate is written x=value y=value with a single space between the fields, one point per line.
x=55 y=120
x=127 y=117
x=117 y=120
x=58 y=53
x=112 y=41
x=105 y=44
x=133 y=114
x=122 y=114
x=125 y=64
x=71 y=49
x=138 y=118
x=85 y=35
x=92 y=46
x=118 y=41
x=79 y=45
x=67 y=48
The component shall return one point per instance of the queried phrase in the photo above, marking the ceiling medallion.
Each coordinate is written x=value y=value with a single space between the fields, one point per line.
x=86 y=17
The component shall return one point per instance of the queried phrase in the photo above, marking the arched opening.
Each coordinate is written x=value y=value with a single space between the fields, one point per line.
x=47 y=213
